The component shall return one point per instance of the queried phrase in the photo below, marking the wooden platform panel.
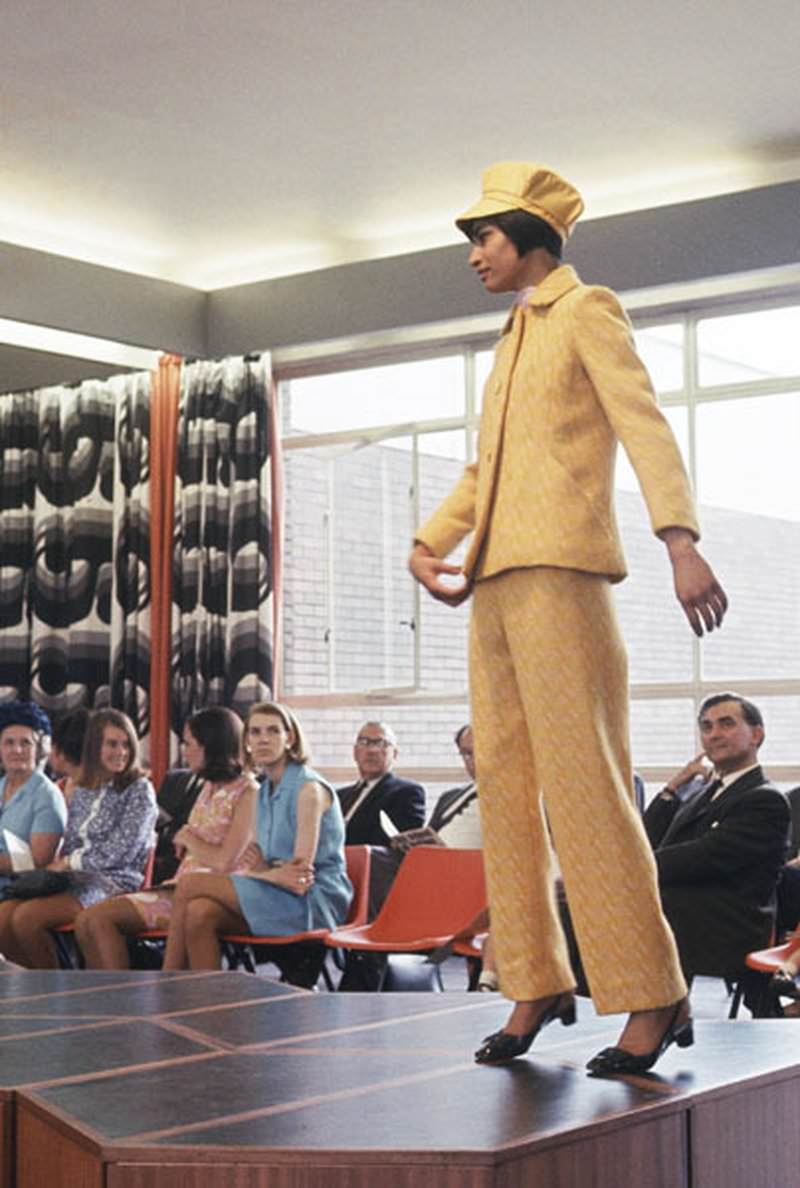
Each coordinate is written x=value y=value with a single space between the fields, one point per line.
x=172 y=1081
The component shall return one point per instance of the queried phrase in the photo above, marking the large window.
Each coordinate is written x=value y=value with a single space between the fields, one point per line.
x=370 y=452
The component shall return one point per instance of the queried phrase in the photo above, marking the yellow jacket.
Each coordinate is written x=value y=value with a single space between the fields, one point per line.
x=566 y=385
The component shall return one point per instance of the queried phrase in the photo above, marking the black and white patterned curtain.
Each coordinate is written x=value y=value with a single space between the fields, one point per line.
x=74 y=567
x=222 y=585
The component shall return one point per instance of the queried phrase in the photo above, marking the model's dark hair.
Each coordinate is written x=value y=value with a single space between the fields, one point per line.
x=219 y=732
x=751 y=713
x=69 y=733
x=93 y=774
x=525 y=231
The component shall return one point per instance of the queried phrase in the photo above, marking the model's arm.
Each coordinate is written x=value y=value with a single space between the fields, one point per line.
x=449 y=524
x=606 y=348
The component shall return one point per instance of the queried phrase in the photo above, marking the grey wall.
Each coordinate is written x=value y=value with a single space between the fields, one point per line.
x=756 y=229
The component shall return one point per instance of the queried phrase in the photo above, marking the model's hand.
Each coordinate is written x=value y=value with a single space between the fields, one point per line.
x=703 y=599
x=429 y=571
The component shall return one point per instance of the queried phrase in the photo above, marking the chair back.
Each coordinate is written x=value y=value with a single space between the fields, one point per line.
x=358 y=860
x=437 y=892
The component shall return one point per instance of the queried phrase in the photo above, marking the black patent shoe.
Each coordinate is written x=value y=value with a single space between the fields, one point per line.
x=617 y=1061
x=502 y=1046
x=784 y=984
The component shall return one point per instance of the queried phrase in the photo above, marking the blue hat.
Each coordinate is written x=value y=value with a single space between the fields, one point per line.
x=24 y=713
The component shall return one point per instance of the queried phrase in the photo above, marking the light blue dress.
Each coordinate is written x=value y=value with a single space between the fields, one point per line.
x=36 y=807
x=271 y=910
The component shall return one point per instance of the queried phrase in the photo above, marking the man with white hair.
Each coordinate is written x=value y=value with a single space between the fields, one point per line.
x=378 y=790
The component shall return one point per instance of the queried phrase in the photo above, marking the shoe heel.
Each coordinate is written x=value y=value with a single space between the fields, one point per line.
x=684 y=1036
x=567 y=1013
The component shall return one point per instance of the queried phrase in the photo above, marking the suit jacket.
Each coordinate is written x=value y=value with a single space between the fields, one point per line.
x=441 y=810
x=567 y=383
x=402 y=800
x=718 y=864
x=176 y=796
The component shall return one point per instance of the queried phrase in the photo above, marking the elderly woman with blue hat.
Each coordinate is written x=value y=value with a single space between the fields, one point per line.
x=548 y=670
x=31 y=806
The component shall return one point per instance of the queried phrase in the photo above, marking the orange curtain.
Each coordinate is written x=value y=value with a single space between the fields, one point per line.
x=163 y=434
x=276 y=460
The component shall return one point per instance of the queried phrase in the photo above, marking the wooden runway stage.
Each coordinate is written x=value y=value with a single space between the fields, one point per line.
x=149 y=1080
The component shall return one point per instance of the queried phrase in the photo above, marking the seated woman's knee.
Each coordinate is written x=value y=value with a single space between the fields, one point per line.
x=204 y=915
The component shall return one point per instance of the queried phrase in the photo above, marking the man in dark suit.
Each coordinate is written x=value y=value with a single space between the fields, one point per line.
x=718 y=852
x=378 y=790
x=176 y=796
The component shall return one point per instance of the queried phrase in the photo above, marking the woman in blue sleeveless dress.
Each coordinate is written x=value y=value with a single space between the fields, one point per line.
x=296 y=877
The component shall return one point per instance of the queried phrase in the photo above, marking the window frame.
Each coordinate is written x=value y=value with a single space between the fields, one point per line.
x=471 y=336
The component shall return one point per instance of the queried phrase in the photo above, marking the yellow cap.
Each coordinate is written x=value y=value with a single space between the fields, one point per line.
x=523 y=185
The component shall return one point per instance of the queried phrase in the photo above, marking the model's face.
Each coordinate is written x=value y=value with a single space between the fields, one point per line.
x=115 y=751
x=466 y=749
x=18 y=751
x=267 y=740
x=373 y=752
x=194 y=754
x=497 y=262
x=730 y=742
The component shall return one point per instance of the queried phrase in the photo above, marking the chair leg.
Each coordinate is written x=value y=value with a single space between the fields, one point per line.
x=67 y=953
x=736 y=998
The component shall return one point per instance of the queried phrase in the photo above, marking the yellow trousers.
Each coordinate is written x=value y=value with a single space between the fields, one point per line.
x=549 y=688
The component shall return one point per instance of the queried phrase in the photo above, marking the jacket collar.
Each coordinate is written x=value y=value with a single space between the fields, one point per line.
x=555 y=285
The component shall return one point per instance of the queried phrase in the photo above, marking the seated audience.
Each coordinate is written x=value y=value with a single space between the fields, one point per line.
x=455 y=822
x=107 y=840
x=219 y=829
x=378 y=790
x=31 y=806
x=296 y=878
x=66 y=751
x=718 y=853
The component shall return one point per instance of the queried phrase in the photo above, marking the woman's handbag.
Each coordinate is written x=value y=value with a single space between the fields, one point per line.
x=31 y=884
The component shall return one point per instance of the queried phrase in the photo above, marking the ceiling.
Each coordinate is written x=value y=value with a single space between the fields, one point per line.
x=215 y=143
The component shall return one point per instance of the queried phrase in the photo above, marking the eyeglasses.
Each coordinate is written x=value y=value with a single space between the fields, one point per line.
x=382 y=743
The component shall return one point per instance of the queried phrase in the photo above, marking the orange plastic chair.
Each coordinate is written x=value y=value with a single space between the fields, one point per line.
x=238 y=947
x=765 y=961
x=437 y=892
x=769 y=960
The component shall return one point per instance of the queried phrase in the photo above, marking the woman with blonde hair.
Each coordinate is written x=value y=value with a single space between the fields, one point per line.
x=296 y=877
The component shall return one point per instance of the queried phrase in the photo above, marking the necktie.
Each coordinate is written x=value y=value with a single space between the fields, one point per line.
x=703 y=799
